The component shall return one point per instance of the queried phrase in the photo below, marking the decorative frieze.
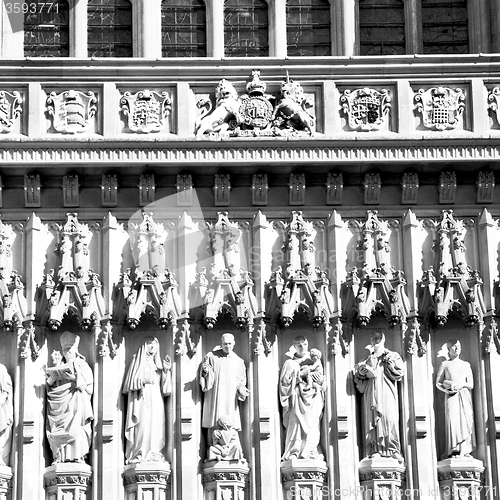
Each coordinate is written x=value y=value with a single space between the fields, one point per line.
x=441 y=108
x=366 y=109
x=72 y=111
x=10 y=110
x=146 y=111
x=71 y=191
x=32 y=191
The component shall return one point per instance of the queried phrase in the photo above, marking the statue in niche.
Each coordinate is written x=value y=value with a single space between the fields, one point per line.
x=376 y=378
x=147 y=382
x=225 y=442
x=222 y=377
x=301 y=391
x=69 y=408
x=454 y=378
x=6 y=415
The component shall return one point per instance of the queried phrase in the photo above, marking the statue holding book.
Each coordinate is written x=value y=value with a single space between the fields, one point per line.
x=69 y=408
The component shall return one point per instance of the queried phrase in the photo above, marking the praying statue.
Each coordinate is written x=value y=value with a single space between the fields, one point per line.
x=454 y=378
x=225 y=442
x=376 y=378
x=222 y=377
x=69 y=408
x=147 y=382
x=6 y=415
x=302 y=397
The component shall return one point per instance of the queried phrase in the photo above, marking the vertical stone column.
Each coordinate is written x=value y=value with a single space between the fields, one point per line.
x=68 y=481
x=78 y=28
x=460 y=478
x=147 y=28
x=215 y=28
x=224 y=480
x=147 y=481
x=303 y=479
x=277 y=36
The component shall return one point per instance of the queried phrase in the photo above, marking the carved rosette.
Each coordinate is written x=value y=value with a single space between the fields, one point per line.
x=302 y=285
x=75 y=288
x=150 y=287
x=13 y=305
x=441 y=108
x=146 y=111
x=451 y=285
x=366 y=109
x=10 y=110
x=71 y=110
x=377 y=288
x=228 y=287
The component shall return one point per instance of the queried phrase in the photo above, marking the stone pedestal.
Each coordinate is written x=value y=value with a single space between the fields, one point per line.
x=460 y=478
x=224 y=480
x=146 y=480
x=382 y=478
x=5 y=482
x=68 y=481
x=303 y=479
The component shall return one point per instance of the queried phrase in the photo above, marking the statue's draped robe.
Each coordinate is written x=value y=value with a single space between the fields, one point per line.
x=459 y=412
x=226 y=375
x=69 y=414
x=302 y=409
x=145 y=385
x=380 y=404
x=6 y=415
x=226 y=445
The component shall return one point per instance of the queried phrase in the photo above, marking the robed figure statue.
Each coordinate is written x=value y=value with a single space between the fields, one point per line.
x=69 y=408
x=147 y=382
x=454 y=378
x=376 y=378
x=301 y=392
x=6 y=415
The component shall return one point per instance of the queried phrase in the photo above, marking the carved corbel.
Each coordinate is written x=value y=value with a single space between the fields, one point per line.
x=71 y=191
x=297 y=189
x=372 y=185
x=147 y=189
x=184 y=188
x=149 y=287
x=410 y=185
x=109 y=190
x=32 y=191
x=485 y=186
x=334 y=188
x=27 y=342
x=447 y=187
x=75 y=288
x=259 y=189
x=451 y=285
x=222 y=190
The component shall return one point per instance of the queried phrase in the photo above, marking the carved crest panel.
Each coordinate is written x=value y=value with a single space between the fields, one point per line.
x=146 y=111
x=366 y=109
x=10 y=111
x=441 y=108
x=72 y=111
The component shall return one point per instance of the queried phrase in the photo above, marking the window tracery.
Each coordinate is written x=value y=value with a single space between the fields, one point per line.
x=183 y=28
x=46 y=28
x=246 y=28
x=109 y=28
x=381 y=27
x=308 y=28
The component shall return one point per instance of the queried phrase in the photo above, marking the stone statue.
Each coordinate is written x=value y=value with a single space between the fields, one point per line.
x=222 y=377
x=6 y=415
x=454 y=378
x=376 y=378
x=225 y=442
x=147 y=381
x=69 y=407
x=301 y=391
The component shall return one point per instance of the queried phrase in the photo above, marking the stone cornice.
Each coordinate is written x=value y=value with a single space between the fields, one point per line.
x=239 y=154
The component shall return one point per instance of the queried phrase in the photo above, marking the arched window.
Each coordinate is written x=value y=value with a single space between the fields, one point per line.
x=445 y=29
x=246 y=28
x=109 y=28
x=381 y=27
x=308 y=28
x=46 y=28
x=183 y=28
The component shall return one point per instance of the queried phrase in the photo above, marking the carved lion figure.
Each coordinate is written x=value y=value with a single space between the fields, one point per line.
x=226 y=109
x=294 y=110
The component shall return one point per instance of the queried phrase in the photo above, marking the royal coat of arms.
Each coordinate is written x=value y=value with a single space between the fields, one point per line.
x=441 y=107
x=146 y=111
x=71 y=110
x=10 y=109
x=366 y=108
x=494 y=102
